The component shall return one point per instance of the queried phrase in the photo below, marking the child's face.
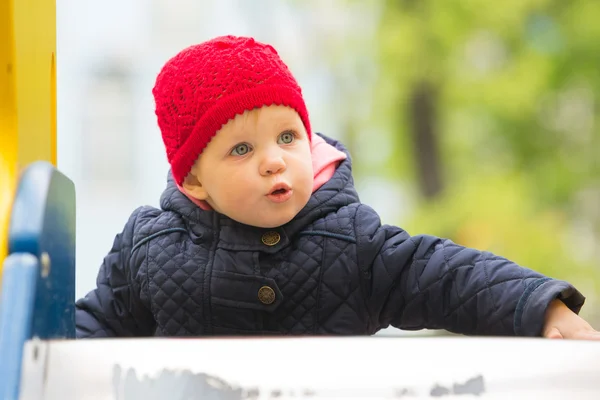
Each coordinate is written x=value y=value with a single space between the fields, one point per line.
x=257 y=169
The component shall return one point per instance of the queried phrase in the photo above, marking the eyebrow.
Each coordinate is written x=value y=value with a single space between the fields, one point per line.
x=237 y=136
x=281 y=124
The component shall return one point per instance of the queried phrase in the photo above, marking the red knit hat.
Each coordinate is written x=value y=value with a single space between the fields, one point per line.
x=204 y=86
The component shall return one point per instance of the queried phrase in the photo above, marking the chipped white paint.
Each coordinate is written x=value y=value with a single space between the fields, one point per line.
x=312 y=368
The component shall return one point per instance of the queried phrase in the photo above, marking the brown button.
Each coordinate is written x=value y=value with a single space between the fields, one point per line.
x=266 y=295
x=271 y=238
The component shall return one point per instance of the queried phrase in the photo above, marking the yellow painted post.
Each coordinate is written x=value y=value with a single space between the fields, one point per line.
x=27 y=94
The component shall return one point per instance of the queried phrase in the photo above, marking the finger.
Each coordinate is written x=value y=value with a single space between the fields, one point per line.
x=553 y=333
x=587 y=335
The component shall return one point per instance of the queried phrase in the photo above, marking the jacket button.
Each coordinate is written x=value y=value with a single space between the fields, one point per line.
x=266 y=295
x=271 y=238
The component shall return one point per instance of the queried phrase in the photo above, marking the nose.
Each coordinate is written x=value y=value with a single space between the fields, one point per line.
x=272 y=164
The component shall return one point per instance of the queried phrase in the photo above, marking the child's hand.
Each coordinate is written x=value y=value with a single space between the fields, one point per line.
x=562 y=323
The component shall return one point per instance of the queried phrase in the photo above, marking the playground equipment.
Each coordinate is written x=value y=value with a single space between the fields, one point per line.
x=40 y=360
x=311 y=368
x=36 y=299
x=27 y=94
x=38 y=286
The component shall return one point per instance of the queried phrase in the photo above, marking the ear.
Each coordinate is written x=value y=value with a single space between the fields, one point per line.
x=193 y=187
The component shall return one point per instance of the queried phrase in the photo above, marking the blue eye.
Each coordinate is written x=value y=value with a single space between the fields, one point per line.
x=286 y=138
x=240 y=150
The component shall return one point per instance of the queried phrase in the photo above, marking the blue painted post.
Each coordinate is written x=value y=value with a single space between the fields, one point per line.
x=18 y=292
x=38 y=284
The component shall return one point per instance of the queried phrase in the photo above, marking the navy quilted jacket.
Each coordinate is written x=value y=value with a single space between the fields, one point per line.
x=334 y=269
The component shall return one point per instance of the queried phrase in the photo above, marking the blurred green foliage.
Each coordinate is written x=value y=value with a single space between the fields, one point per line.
x=515 y=87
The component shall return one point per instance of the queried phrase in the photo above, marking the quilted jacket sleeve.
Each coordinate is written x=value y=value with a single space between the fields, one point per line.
x=115 y=308
x=428 y=282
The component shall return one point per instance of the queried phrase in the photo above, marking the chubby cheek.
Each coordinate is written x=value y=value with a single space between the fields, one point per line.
x=232 y=188
x=305 y=177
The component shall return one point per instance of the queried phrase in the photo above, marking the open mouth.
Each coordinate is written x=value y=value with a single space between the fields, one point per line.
x=280 y=193
x=280 y=188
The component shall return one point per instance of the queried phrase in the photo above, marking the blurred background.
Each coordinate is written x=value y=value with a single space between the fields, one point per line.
x=468 y=119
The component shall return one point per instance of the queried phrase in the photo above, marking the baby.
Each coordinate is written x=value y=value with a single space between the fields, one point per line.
x=261 y=231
